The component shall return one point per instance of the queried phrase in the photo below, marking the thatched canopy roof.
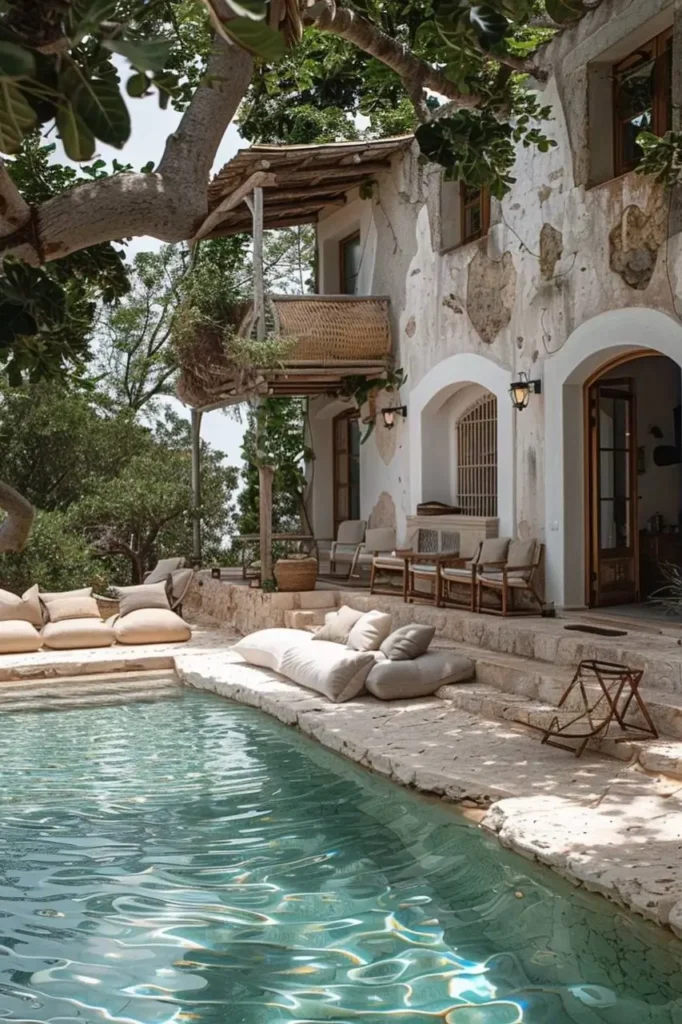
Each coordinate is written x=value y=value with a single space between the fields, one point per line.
x=297 y=182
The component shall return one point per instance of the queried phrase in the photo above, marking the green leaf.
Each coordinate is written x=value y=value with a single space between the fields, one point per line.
x=256 y=37
x=253 y=9
x=17 y=117
x=15 y=61
x=490 y=26
x=77 y=139
x=101 y=106
x=138 y=85
x=563 y=11
x=89 y=14
x=145 y=54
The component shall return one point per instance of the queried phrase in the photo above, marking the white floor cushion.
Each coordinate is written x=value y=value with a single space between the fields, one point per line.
x=77 y=634
x=399 y=680
x=266 y=647
x=151 y=626
x=19 y=637
x=328 y=668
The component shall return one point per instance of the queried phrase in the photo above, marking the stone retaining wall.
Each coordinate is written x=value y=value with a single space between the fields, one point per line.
x=246 y=609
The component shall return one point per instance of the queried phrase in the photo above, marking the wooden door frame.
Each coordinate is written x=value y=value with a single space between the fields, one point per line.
x=347 y=415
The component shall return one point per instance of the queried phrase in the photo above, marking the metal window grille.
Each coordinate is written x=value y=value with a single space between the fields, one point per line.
x=477 y=458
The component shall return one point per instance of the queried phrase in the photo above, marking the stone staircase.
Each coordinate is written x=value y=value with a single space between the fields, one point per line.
x=83 y=690
x=307 y=618
x=524 y=665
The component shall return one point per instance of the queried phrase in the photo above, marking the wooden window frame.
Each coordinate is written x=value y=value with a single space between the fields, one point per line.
x=661 y=106
x=482 y=199
x=475 y=494
x=343 y=242
x=347 y=416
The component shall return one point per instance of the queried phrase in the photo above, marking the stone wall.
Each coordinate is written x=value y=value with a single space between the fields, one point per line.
x=248 y=610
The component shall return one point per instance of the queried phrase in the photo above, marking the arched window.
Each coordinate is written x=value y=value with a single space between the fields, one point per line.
x=477 y=458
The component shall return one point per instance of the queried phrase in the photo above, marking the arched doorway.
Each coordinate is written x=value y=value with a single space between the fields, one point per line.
x=600 y=349
x=634 y=480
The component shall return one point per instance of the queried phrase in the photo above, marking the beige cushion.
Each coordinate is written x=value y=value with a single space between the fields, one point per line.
x=266 y=647
x=389 y=562
x=145 y=595
x=19 y=637
x=180 y=580
x=83 y=592
x=77 y=634
x=494 y=549
x=457 y=575
x=521 y=553
x=151 y=626
x=370 y=631
x=337 y=625
x=398 y=680
x=163 y=568
x=351 y=531
x=334 y=671
x=25 y=608
x=408 y=642
x=381 y=538
x=73 y=608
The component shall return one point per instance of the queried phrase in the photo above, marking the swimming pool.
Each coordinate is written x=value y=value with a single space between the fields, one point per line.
x=192 y=860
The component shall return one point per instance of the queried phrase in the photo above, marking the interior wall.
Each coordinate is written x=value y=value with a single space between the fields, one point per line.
x=656 y=382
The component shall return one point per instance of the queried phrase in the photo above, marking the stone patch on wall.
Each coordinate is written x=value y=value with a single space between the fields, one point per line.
x=411 y=327
x=551 y=248
x=383 y=513
x=491 y=288
x=635 y=241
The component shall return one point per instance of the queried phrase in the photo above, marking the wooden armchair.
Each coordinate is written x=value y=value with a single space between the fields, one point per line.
x=517 y=575
x=463 y=573
x=349 y=538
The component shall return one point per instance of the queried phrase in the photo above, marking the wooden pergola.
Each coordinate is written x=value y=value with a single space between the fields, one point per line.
x=265 y=187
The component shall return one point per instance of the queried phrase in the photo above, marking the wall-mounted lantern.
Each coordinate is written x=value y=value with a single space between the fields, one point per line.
x=390 y=414
x=522 y=389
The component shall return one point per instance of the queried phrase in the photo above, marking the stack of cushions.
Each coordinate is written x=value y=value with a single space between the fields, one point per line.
x=145 y=615
x=355 y=651
x=73 y=621
x=20 y=620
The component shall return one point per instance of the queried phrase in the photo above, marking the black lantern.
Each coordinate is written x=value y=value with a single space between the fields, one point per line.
x=390 y=414
x=522 y=389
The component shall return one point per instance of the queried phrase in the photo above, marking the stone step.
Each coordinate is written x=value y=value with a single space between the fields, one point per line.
x=101 y=698
x=94 y=679
x=305 y=618
x=539 y=682
x=533 y=716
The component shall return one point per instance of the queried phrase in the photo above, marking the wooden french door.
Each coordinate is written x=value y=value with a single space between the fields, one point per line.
x=346 y=468
x=613 y=526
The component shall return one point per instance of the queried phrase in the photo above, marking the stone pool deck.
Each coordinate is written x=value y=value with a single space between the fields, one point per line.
x=609 y=826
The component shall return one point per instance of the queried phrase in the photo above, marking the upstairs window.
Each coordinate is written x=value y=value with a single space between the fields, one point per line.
x=474 y=212
x=350 y=255
x=642 y=99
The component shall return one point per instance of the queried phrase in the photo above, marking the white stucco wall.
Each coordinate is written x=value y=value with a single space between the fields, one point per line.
x=556 y=319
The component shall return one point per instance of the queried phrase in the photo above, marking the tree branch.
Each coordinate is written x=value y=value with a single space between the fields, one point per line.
x=417 y=74
x=14 y=210
x=16 y=527
x=169 y=204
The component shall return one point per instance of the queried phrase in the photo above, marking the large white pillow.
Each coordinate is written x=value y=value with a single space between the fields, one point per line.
x=21 y=609
x=337 y=625
x=328 y=668
x=266 y=647
x=370 y=631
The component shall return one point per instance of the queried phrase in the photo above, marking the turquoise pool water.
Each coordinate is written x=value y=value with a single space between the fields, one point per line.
x=192 y=860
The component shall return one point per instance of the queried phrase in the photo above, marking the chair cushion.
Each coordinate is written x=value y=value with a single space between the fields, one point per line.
x=25 y=608
x=145 y=595
x=423 y=568
x=266 y=647
x=389 y=562
x=18 y=636
x=73 y=608
x=337 y=625
x=75 y=634
x=151 y=626
x=521 y=553
x=408 y=642
x=515 y=578
x=494 y=549
x=163 y=568
x=457 y=575
x=351 y=531
x=370 y=631
x=399 y=680
x=380 y=538
x=334 y=671
x=83 y=592
x=179 y=583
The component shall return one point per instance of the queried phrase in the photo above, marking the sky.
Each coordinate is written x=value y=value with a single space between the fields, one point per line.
x=150 y=128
